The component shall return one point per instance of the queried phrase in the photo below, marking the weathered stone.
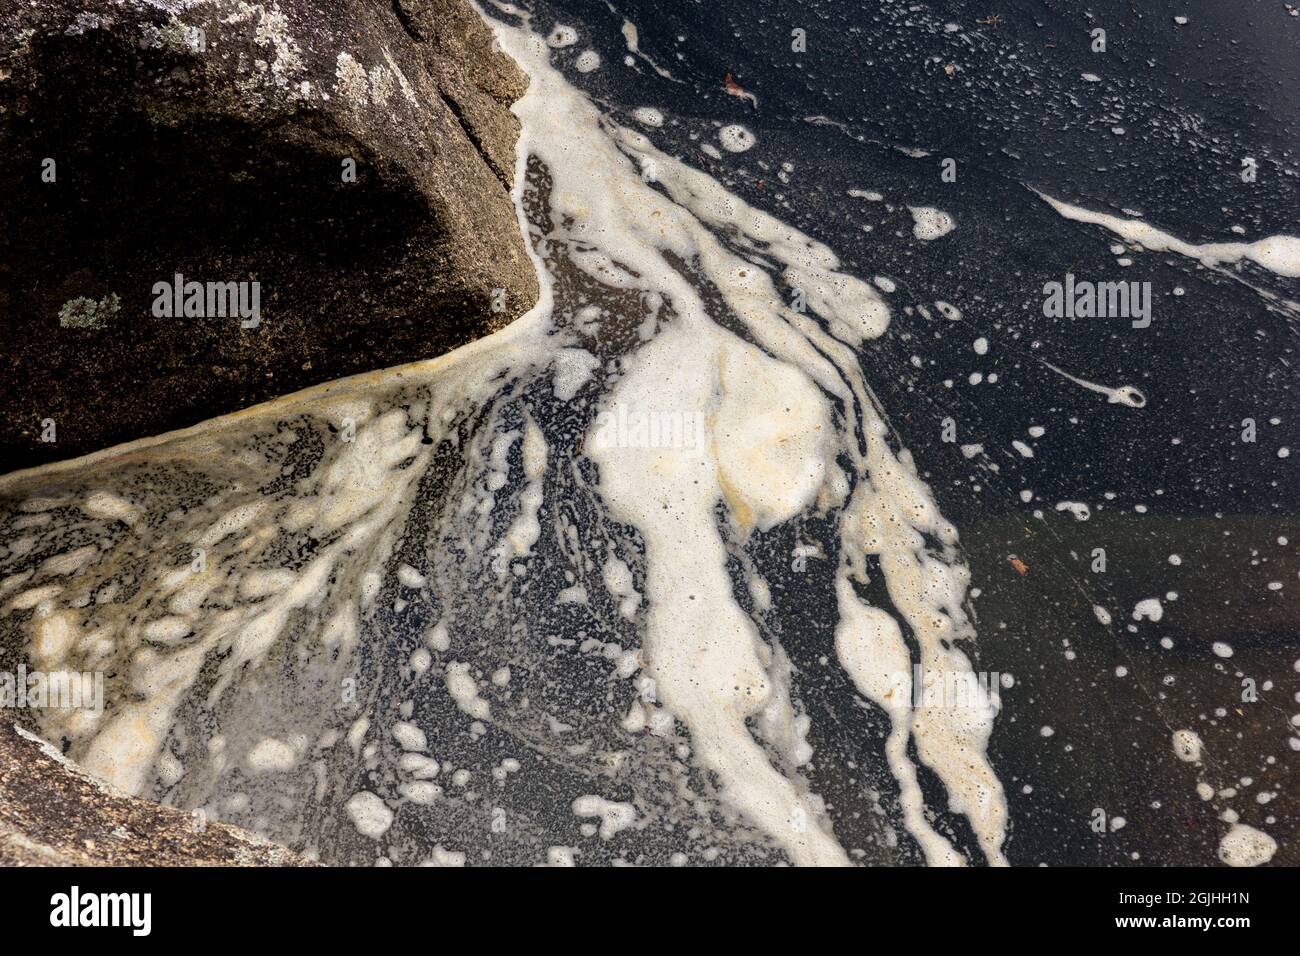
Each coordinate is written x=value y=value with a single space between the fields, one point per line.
x=209 y=139
x=52 y=814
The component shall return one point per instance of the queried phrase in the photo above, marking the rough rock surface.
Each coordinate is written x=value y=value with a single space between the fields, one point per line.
x=52 y=814
x=209 y=138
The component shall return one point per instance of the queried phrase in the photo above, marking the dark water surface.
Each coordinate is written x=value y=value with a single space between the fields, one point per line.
x=490 y=583
x=1162 y=134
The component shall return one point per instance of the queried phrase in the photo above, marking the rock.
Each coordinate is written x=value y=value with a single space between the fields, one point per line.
x=145 y=138
x=52 y=814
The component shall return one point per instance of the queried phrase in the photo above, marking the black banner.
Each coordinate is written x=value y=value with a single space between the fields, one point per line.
x=337 y=906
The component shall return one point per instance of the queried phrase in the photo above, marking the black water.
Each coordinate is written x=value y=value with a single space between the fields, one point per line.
x=1164 y=133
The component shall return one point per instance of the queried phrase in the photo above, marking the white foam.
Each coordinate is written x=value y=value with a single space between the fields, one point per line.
x=370 y=815
x=767 y=457
x=464 y=691
x=735 y=138
x=930 y=223
x=790 y=427
x=614 y=817
x=1279 y=253
x=1079 y=509
x=648 y=116
x=1149 y=609
x=271 y=755
x=561 y=36
x=1188 y=745
x=1243 y=845
x=1123 y=395
x=632 y=38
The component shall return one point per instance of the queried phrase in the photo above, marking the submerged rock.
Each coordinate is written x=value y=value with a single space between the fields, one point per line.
x=354 y=159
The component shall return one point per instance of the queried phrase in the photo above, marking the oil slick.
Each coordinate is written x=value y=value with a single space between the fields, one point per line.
x=319 y=613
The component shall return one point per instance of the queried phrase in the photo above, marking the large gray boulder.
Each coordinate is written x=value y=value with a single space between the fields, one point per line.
x=212 y=138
